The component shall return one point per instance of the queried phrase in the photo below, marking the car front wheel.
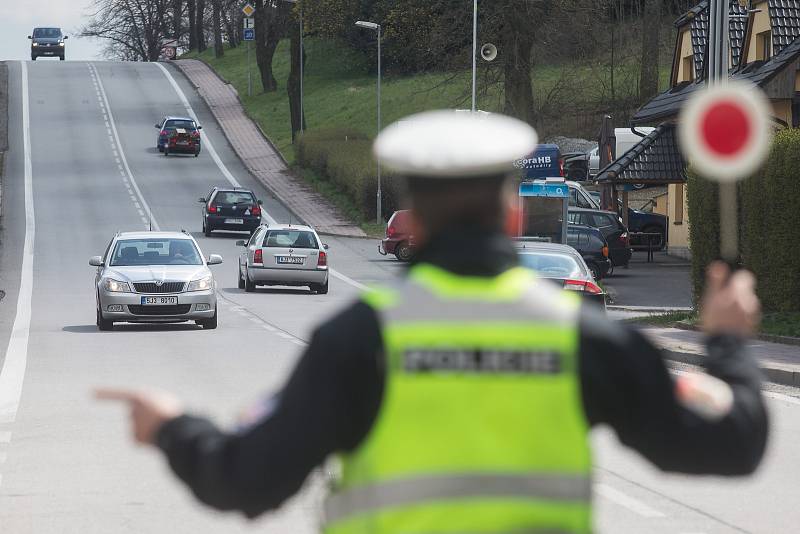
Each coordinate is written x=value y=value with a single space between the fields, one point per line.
x=102 y=323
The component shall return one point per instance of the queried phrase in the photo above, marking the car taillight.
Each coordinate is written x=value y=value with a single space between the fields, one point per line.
x=575 y=285
x=256 y=210
x=163 y=132
x=605 y=251
x=593 y=288
x=196 y=134
x=258 y=256
x=322 y=261
x=212 y=208
x=390 y=231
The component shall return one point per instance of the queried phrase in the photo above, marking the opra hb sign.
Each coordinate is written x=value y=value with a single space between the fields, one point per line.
x=724 y=131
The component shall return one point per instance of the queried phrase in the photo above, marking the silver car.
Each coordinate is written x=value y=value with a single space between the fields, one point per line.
x=155 y=277
x=284 y=255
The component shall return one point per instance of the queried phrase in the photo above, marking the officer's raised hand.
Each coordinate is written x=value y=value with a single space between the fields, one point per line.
x=729 y=304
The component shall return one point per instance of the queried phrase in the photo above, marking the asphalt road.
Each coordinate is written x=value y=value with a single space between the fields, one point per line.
x=66 y=463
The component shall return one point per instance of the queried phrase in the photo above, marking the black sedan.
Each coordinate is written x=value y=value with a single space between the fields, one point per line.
x=615 y=233
x=235 y=210
x=563 y=265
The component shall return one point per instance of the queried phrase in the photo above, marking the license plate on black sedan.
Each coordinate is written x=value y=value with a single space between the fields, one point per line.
x=159 y=301
x=234 y=221
x=290 y=260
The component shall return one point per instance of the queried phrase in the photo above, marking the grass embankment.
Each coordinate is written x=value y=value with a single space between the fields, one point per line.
x=785 y=324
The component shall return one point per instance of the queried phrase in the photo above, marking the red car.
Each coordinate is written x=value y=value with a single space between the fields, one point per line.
x=182 y=140
x=398 y=240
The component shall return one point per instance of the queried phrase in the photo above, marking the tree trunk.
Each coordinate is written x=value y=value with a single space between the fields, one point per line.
x=293 y=83
x=648 y=78
x=517 y=44
x=228 y=20
x=270 y=27
x=200 y=22
x=177 y=18
x=190 y=7
x=219 y=51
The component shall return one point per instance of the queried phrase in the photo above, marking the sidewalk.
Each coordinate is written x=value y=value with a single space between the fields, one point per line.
x=259 y=156
x=780 y=363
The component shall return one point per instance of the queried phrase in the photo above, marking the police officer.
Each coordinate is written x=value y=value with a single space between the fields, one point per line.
x=460 y=398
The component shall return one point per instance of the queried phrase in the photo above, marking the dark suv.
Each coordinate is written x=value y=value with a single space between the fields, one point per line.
x=47 y=42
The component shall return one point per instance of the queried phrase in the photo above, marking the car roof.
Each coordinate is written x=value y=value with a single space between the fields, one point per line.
x=287 y=226
x=592 y=210
x=540 y=246
x=153 y=235
x=232 y=189
x=177 y=118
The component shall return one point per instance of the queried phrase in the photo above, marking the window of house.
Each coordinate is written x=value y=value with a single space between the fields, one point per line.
x=678 y=219
x=764 y=45
x=688 y=69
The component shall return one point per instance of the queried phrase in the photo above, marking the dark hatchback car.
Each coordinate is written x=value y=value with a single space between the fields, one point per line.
x=619 y=247
x=563 y=265
x=168 y=127
x=47 y=42
x=235 y=210
x=592 y=246
x=398 y=240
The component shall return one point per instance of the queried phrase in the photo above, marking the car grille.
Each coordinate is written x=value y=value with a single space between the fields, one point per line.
x=151 y=287
x=178 y=309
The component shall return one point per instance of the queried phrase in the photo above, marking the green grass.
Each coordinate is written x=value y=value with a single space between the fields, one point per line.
x=776 y=323
x=666 y=320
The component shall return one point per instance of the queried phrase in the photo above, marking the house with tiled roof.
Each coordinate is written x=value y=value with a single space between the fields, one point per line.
x=764 y=44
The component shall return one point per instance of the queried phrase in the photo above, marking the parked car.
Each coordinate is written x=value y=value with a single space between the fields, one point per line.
x=399 y=240
x=155 y=277
x=168 y=126
x=592 y=246
x=563 y=265
x=47 y=42
x=284 y=255
x=619 y=248
x=638 y=221
x=236 y=210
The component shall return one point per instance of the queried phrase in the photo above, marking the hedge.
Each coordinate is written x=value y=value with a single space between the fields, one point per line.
x=344 y=157
x=769 y=235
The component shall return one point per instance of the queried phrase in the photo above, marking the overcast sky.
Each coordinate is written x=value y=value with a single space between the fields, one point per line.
x=19 y=17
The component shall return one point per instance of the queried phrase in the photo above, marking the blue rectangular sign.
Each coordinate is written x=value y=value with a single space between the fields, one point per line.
x=249 y=34
x=538 y=189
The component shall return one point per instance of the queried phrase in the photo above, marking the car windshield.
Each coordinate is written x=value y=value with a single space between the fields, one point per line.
x=552 y=265
x=290 y=239
x=47 y=33
x=163 y=251
x=234 y=197
x=183 y=124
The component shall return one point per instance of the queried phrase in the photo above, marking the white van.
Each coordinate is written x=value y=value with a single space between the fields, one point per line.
x=626 y=140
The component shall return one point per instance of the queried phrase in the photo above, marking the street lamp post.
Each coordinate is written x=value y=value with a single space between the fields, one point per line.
x=302 y=117
x=377 y=28
x=474 y=50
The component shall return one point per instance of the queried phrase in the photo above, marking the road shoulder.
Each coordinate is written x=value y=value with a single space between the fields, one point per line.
x=3 y=124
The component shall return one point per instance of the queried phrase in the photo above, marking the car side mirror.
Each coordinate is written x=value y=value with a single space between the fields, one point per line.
x=66 y=37
x=202 y=200
x=29 y=37
x=214 y=259
x=158 y=126
x=199 y=127
x=260 y=202
x=241 y=243
x=96 y=261
x=325 y=246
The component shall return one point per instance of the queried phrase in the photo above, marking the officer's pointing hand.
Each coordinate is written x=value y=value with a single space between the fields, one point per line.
x=729 y=304
x=149 y=410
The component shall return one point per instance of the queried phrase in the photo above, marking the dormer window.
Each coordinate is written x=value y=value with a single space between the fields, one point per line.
x=763 y=46
x=687 y=69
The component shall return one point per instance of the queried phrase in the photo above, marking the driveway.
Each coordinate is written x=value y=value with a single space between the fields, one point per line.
x=666 y=282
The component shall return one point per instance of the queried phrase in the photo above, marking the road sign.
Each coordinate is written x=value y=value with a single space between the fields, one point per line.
x=249 y=23
x=169 y=52
x=725 y=132
x=249 y=34
x=248 y=10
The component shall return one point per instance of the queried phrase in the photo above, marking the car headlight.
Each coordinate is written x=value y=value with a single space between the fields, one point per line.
x=35 y=44
x=201 y=284
x=61 y=43
x=115 y=286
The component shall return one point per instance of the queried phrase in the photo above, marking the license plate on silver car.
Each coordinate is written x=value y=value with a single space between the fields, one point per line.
x=159 y=301
x=234 y=221
x=291 y=260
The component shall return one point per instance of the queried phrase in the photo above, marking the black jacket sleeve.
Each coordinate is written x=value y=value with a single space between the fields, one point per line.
x=328 y=405
x=626 y=385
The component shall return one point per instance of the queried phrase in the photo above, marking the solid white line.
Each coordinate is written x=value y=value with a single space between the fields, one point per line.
x=782 y=397
x=627 y=501
x=284 y=335
x=209 y=146
x=13 y=374
x=347 y=280
x=153 y=221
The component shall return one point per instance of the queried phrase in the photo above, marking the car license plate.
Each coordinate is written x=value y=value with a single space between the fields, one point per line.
x=183 y=142
x=159 y=301
x=291 y=260
x=234 y=221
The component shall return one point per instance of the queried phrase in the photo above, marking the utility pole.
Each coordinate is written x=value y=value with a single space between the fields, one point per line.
x=474 y=51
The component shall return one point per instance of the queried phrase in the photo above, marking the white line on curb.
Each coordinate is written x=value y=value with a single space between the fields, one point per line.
x=13 y=374
x=627 y=501
x=116 y=140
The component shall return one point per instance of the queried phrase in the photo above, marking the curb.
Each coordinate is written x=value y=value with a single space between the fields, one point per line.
x=775 y=375
x=770 y=338
x=654 y=309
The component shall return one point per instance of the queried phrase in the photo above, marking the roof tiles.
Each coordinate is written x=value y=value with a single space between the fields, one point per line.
x=655 y=159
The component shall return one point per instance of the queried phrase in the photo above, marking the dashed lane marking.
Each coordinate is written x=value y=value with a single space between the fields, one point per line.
x=622 y=499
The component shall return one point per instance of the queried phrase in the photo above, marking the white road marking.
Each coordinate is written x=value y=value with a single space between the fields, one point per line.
x=12 y=375
x=206 y=141
x=107 y=106
x=626 y=501
x=782 y=397
x=347 y=280
x=284 y=335
x=298 y=342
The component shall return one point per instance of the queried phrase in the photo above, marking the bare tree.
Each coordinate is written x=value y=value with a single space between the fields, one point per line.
x=296 y=114
x=200 y=25
x=177 y=19
x=132 y=29
x=191 y=9
x=651 y=23
x=271 y=23
x=216 y=13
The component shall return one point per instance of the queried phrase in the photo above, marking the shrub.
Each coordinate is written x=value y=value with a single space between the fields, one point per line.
x=702 y=197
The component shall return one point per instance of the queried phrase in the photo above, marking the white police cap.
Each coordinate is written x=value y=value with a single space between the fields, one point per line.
x=454 y=144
